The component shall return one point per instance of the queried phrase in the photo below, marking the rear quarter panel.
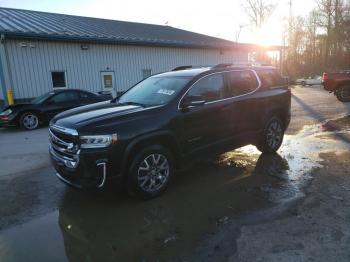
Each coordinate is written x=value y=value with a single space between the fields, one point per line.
x=274 y=102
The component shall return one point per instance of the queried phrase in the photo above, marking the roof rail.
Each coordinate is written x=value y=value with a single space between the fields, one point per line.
x=243 y=64
x=181 y=68
x=223 y=65
x=262 y=64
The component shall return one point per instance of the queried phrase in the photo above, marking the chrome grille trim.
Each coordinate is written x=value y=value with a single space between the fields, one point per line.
x=63 y=151
x=56 y=140
x=70 y=162
x=65 y=130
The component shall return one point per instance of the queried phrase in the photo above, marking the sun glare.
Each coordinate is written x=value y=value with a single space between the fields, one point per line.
x=270 y=34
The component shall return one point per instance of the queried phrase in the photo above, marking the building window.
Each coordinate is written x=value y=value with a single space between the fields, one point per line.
x=146 y=73
x=58 y=79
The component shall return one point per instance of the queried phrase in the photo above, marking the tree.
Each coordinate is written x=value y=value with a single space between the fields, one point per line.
x=259 y=11
x=320 y=41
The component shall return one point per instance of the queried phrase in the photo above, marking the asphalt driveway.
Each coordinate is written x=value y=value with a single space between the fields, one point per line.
x=241 y=206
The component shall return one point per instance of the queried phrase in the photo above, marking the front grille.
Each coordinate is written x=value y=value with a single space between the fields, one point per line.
x=64 y=146
x=69 y=138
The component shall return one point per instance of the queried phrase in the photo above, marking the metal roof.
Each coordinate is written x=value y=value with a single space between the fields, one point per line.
x=17 y=23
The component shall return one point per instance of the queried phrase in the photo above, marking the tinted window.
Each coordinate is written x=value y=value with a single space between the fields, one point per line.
x=86 y=96
x=42 y=98
x=270 y=78
x=65 y=97
x=72 y=96
x=210 y=88
x=59 y=98
x=241 y=82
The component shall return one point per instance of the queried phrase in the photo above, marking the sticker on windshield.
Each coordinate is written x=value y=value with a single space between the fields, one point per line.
x=166 y=92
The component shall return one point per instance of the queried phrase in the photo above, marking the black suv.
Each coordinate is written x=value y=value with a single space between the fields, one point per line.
x=166 y=120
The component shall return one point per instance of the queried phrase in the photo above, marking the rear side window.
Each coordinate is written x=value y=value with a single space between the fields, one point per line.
x=86 y=97
x=209 y=88
x=270 y=79
x=65 y=97
x=72 y=96
x=241 y=82
x=59 y=98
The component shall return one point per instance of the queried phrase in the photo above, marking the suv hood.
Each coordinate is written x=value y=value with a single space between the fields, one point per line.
x=93 y=113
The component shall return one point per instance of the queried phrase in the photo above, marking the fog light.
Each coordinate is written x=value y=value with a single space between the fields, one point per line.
x=70 y=164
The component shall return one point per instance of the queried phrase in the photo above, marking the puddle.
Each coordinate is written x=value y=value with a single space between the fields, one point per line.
x=338 y=124
x=109 y=226
x=37 y=240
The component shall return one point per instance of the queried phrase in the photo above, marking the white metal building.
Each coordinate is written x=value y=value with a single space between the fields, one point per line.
x=42 y=51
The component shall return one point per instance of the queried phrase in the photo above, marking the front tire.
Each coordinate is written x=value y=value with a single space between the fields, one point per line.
x=343 y=93
x=150 y=171
x=29 y=121
x=272 y=136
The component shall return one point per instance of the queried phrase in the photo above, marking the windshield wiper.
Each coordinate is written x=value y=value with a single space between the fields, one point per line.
x=133 y=103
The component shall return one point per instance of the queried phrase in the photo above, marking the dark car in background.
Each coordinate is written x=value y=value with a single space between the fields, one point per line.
x=41 y=109
x=167 y=120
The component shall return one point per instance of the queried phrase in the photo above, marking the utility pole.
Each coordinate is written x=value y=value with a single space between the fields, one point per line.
x=290 y=20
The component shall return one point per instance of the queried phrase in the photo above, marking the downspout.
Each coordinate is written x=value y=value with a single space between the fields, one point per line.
x=2 y=75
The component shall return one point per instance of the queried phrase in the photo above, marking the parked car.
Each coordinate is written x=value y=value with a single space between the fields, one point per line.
x=338 y=83
x=42 y=108
x=166 y=120
x=311 y=80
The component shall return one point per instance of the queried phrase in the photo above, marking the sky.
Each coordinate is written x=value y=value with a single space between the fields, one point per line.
x=220 y=18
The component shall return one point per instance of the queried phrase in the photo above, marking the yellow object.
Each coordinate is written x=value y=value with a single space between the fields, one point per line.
x=9 y=96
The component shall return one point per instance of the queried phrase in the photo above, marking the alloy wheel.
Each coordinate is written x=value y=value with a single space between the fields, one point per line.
x=153 y=172
x=30 y=121
x=274 y=134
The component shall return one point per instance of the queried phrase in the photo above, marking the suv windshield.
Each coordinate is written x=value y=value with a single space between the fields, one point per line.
x=155 y=90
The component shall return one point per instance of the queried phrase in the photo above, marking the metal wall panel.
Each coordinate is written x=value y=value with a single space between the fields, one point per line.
x=31 y=63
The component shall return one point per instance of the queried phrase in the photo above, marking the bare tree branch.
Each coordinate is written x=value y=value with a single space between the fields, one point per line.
x=259 y=11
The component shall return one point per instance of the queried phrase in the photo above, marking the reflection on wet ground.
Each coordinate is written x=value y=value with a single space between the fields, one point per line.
x=109 y=226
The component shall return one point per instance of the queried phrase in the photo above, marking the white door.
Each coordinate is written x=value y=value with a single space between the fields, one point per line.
x=108 y=83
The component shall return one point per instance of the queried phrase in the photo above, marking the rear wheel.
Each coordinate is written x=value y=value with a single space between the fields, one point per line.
x=343 y=93
x=29 y=121
x=272 y=136
x=150 y=171
x=303 y=83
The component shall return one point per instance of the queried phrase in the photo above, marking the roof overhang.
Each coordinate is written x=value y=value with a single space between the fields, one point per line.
x=123 y=41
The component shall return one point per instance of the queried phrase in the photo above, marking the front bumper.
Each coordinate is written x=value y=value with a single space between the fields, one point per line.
x=82 y=170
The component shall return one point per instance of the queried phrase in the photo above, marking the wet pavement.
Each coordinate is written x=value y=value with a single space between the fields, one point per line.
x=198 y=219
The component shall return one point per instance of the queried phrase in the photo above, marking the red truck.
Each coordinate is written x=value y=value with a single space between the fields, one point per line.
x=338 y=83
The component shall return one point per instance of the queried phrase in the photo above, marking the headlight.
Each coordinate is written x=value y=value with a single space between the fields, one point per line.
x=6 y=112
x=97 y=141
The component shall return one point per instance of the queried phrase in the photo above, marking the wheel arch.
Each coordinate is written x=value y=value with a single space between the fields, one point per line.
x=278 y=112
x=163 y=138
x=342 y=83
x=29 y=110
